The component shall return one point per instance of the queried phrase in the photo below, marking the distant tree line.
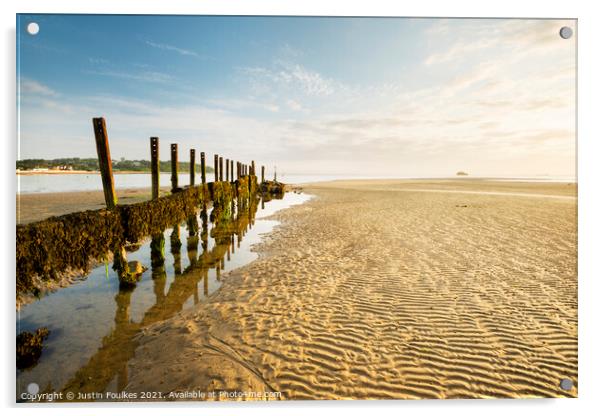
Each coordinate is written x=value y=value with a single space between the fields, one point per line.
x=91 y=164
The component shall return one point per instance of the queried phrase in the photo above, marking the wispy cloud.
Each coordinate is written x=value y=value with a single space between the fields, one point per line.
x=145 y=76
x=30 y=86
x=98 y=61
x=166 y=47
x=292 y=76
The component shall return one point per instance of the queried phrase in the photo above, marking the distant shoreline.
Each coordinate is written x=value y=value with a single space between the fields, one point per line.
x=82 y=172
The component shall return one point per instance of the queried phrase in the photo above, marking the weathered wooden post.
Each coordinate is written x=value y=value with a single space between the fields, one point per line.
x=174 y=167
x=154 y=149
x=262 y=174
x=104 y=161
x=252 y=167
x=203 y=178
x=231 y=171
x=227 y=170
x=192 y=166
x=237 y=170
x=221 y=168
x=216 y=167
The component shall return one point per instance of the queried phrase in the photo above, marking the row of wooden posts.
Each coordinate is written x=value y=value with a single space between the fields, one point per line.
x=106 y=169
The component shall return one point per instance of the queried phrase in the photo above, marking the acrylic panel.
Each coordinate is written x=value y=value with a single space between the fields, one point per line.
x=295 y=208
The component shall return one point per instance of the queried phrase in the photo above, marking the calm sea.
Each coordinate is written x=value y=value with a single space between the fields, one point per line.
x=28 y=184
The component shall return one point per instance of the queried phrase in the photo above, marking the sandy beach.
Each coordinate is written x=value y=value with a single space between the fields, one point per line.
x=39 y=206
x=389 y=290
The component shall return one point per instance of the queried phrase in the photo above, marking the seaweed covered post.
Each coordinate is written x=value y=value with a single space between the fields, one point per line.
x=203 y=177
x=104 y=161
x=174 y=167
x=157 y=247
x=175 y=245
x=154 y=149
x=216 y=167
x=192 y=166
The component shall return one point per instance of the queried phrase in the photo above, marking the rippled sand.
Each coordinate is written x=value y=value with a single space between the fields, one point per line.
x=390 y=289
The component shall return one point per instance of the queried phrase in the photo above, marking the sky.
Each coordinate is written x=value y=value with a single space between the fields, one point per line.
x=391 y=97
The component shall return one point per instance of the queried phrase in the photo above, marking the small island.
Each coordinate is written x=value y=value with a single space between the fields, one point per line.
x=461 y=173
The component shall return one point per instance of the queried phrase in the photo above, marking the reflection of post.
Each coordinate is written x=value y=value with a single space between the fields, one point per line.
x=176 y=244
x=203 y=177
x=206 y=283
x=192 y=243
x=104 y=161
x=154 y=148
x=122 y=319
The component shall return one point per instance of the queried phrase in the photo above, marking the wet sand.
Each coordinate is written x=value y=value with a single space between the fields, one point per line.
x=380 y=289
x=388 y=290
x=39 y=206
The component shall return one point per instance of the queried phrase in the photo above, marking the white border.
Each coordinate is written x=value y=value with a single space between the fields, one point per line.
x=589 y=176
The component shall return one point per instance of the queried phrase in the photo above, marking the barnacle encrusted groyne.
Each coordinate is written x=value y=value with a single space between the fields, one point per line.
x=47 y=250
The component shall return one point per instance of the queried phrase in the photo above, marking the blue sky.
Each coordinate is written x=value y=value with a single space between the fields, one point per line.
x=399 y=97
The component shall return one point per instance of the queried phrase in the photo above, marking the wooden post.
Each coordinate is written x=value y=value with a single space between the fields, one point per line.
x=227 y=170
x=262 y=174
x=221 y=168
x=237 y=170
x=192 y=166
x=154 y=148
x=104 y=161
x=231 y=171
x=252 y=167
x=216 y=167
x=174 y=167
x=203 y=178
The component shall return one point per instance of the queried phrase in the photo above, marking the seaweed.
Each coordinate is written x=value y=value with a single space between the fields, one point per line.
x=46 y=249
x=29 y=347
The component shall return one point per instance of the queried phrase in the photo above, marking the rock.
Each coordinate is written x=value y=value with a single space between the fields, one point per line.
x=29 y=347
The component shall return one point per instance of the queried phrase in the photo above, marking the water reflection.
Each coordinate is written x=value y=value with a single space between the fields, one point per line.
x=93 y=324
